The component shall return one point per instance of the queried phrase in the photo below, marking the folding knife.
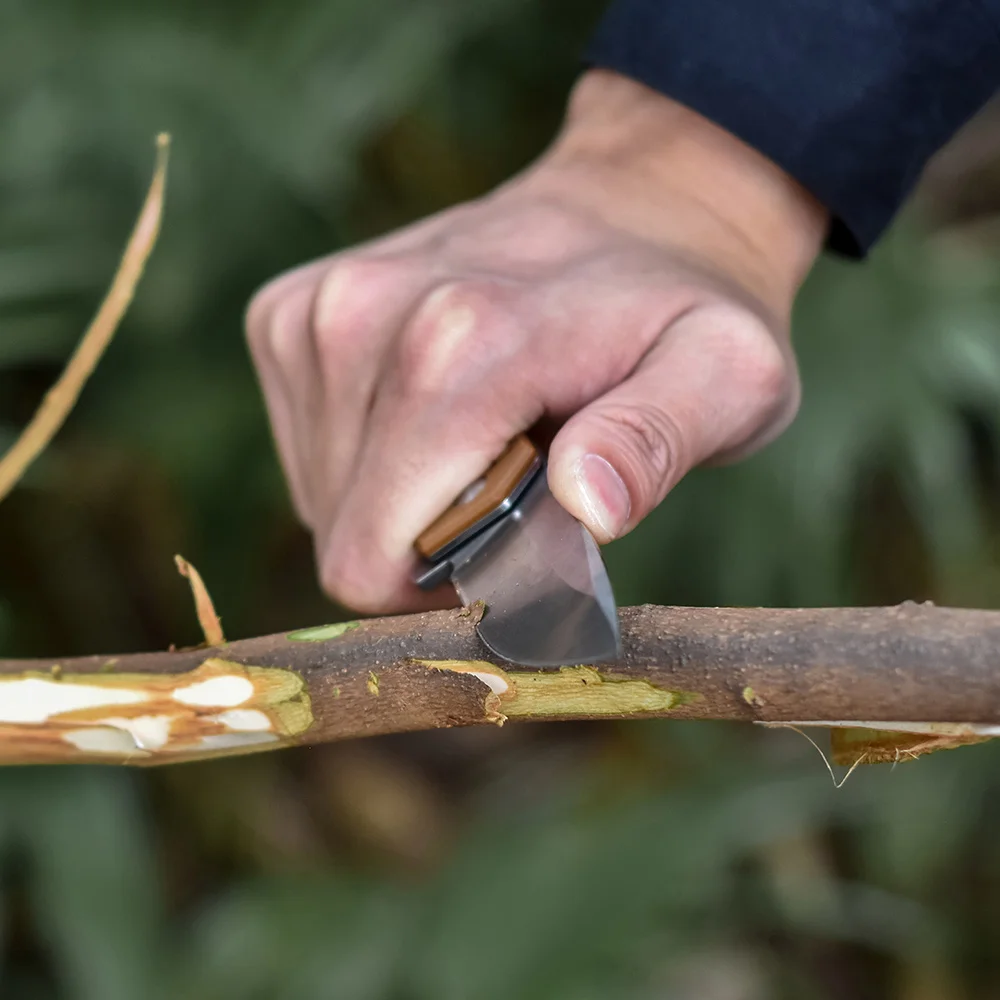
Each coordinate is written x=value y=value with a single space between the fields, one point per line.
x=507 y=542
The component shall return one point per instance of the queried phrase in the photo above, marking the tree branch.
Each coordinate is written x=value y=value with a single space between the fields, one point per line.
x=913 y=665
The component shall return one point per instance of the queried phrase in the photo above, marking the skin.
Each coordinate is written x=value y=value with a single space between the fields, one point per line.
x=632 y=289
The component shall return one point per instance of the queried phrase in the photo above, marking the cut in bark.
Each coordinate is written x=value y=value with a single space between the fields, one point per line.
x=931 y=671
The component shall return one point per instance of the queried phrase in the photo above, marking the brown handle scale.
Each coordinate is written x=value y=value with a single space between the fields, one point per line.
x=497 y=485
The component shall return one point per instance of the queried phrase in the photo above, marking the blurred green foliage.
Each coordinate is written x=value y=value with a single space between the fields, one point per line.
x=670 y=860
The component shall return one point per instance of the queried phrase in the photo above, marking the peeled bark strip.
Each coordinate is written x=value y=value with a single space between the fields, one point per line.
x=914 y=664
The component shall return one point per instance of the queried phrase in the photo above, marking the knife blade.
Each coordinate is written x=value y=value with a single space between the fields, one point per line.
x=508 y=543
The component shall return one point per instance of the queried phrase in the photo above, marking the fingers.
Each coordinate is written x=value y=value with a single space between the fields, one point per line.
x=445 y=408
x=360 y=306
x=277 y=324
x=717 y=382
x=317 y=336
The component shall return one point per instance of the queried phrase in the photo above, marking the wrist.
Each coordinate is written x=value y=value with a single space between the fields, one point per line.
x=656 y=167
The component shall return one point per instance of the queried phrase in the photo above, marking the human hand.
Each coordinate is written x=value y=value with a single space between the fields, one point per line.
x=634 y=286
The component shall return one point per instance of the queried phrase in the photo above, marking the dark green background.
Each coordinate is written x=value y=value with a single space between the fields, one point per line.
x=648 y=860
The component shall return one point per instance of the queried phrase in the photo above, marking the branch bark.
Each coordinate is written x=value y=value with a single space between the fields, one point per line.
x=915 y=666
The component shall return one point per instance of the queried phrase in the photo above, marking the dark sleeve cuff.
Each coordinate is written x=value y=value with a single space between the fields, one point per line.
x=850 y=97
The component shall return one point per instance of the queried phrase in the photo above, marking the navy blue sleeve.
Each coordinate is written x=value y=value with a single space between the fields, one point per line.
x=850 y=97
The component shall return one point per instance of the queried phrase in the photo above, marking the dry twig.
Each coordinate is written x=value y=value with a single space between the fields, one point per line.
x=208 y=619
x=61 y=398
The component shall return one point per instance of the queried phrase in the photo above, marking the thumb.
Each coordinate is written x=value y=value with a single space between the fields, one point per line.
x=717 y=382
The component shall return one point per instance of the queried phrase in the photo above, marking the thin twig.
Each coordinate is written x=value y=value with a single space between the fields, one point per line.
x=60 y=399
x=208 y=618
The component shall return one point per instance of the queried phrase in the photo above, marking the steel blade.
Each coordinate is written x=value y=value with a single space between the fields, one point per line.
x=547 y=594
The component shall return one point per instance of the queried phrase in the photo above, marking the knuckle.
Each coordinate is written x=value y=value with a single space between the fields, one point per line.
x=766 y=372
x=758 y=366
x=269 y=297
x=348 y=288
x=287 y=327
x=277 y=320
x=258 y=315
x=759 y=380
x=652 y=441
x=343 y=578
x=784 y=404
x=451 y=331
x=353 y=568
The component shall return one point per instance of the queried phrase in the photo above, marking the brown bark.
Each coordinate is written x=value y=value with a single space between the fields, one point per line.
x=912 y=663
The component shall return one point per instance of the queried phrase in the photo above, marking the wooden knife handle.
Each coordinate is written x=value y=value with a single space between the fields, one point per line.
x=481 y=499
